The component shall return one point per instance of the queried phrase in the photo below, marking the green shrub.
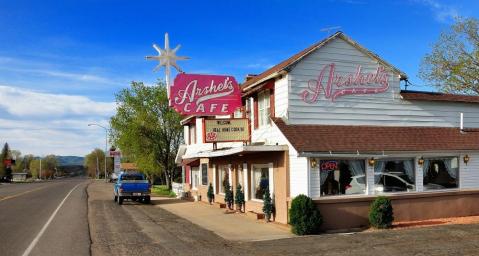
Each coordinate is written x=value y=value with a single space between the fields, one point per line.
x=239 y=197
x=381 y=213
x=229 y=197
x=210 y=194
x=267 y=205
x=304 y=216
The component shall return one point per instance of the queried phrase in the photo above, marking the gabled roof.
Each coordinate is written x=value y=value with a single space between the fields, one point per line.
x=286 y=64
x=349 y=138
x=437 y=96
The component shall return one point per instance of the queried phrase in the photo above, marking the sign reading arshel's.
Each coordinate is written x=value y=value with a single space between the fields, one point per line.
x=335 y=85
x=226 y=130
x=205 y=95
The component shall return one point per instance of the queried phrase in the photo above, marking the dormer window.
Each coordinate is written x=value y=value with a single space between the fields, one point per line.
x=264 y=108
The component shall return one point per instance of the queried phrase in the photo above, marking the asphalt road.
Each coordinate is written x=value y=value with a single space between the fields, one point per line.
x=45 y=218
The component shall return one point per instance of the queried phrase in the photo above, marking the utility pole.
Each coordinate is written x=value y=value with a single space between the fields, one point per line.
x=40 y=168
x=106 y=142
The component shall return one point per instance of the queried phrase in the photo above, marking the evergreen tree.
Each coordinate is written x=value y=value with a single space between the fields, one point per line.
x=5 y=170
x=229 y=199
x=239 y=197
x=210 y=194
x=267 y=205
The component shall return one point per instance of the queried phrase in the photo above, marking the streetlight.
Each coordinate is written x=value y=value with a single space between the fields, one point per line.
x=106 y=141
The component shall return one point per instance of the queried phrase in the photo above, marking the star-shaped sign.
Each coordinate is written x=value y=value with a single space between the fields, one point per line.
x=167 y=57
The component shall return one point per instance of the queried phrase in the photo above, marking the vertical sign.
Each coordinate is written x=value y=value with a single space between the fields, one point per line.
x=116 y=161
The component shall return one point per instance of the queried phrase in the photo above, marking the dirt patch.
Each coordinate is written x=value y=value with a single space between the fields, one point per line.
x=435 y=222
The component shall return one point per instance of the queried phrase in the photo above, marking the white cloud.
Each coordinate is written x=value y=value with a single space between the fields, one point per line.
x=45 y=123
x=24 y=102
x=442 y=12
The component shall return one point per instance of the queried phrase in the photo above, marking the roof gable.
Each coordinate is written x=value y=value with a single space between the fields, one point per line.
x=286 y=65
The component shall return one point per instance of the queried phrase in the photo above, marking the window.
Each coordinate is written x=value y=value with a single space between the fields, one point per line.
x=440 y=173
x=223 y=178
x=264 y=108
x=195 y=177
x=240 y=176
x=342 y=177
x=204 y=174
x=192 y=134
x=394 y=175
x=260 y=181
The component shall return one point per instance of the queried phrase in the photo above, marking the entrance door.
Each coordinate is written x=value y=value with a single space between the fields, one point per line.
x=195 y=177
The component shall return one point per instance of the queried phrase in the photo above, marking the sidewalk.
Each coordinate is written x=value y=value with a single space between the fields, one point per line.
x=235 y=227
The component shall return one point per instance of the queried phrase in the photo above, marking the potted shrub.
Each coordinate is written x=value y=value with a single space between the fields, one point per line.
x=239 y=198
x=267 y=205
x=304 y=216
x=381 y=213
x=229 y=200
x=210 y=194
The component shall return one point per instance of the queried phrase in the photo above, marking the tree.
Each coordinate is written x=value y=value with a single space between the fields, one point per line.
x=95 y=167
x=147 y=130
x=453 y=64
x=35 y=168
x=5 y=171
x=239 y=197
x=267 y=205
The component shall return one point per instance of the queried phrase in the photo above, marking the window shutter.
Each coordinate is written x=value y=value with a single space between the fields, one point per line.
x=271 y=103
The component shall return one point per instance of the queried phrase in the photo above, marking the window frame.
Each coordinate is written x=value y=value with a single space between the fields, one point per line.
x=221 y=177
x=365 y=166
x=193 y=187
x=391 y=159
x=458 y=174
x=264 y=108
x=252 y=183
x=204 y=167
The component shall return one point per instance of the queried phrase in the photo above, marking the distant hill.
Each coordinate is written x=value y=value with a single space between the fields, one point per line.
x=69 y=160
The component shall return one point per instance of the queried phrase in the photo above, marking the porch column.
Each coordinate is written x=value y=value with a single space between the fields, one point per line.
x=214 y=178
x=230 y=179
x=245 y=182
x=271 y=179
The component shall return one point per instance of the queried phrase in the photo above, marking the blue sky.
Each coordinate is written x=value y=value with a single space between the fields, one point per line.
x=61 y=62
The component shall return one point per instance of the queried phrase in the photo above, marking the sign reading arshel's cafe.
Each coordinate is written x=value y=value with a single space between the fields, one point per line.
x=205 y=95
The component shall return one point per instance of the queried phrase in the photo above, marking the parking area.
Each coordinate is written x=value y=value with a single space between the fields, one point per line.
x=139 y=229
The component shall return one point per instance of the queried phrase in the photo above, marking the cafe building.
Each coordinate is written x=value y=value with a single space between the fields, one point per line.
x=332 y=122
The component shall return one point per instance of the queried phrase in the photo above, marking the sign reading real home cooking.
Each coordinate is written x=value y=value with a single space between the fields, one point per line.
x=205 y=95
x=226 y=130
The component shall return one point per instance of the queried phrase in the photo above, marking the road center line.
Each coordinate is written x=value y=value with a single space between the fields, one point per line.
x=35 y=240
x=20 y=194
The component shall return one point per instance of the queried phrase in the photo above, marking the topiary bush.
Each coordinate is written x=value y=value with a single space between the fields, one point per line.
x=239 y=197
x=210 y=194
x=267 y=205
x=304 y=216
x=381 y=213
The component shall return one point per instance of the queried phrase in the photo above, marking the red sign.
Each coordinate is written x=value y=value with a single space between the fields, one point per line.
x=328 y=165
x=335 y=85
x=205 y=95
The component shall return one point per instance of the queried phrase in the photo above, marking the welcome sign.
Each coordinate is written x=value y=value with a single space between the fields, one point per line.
x=334 y=85
x=205 y=95
x=226 y=130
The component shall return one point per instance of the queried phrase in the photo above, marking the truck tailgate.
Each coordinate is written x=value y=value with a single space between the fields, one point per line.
x=135 y=186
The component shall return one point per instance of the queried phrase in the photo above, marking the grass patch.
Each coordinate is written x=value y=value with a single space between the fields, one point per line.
x=162 y=190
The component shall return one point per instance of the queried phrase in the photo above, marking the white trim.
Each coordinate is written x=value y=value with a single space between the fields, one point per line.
x=245 y=178
x=230 y=179
x=236 y=150
x=271 y=179
x=214 y=178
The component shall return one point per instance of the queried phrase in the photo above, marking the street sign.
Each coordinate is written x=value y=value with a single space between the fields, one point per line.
x=114 y=153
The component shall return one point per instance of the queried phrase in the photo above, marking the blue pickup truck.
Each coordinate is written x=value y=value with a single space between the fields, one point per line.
x=133 y=186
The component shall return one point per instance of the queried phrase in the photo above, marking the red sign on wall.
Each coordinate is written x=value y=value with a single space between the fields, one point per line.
x=205 y=95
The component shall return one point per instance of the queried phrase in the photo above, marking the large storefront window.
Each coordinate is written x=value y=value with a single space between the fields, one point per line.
x=394 y=175
x=340 y=177
x=440 y=173
x=260 y=181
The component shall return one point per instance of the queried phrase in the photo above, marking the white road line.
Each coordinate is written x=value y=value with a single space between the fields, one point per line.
x=35 y=241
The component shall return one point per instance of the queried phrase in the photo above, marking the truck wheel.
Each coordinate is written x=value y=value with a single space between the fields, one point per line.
x=120 y=200
x=147 y=200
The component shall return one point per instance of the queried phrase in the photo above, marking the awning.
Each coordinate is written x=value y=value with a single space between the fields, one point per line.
x=179 y=154
x=236 y=150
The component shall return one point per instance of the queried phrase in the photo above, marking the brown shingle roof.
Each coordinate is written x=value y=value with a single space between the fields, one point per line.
x=436 y=96
x=298 y=56
x=339 y=138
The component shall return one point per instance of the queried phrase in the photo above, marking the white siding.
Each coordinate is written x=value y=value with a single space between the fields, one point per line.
x=186 y=134
x=199 y=130
x=281 y=97
x=386 y=108
x=469 y=174
x=298 y=174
